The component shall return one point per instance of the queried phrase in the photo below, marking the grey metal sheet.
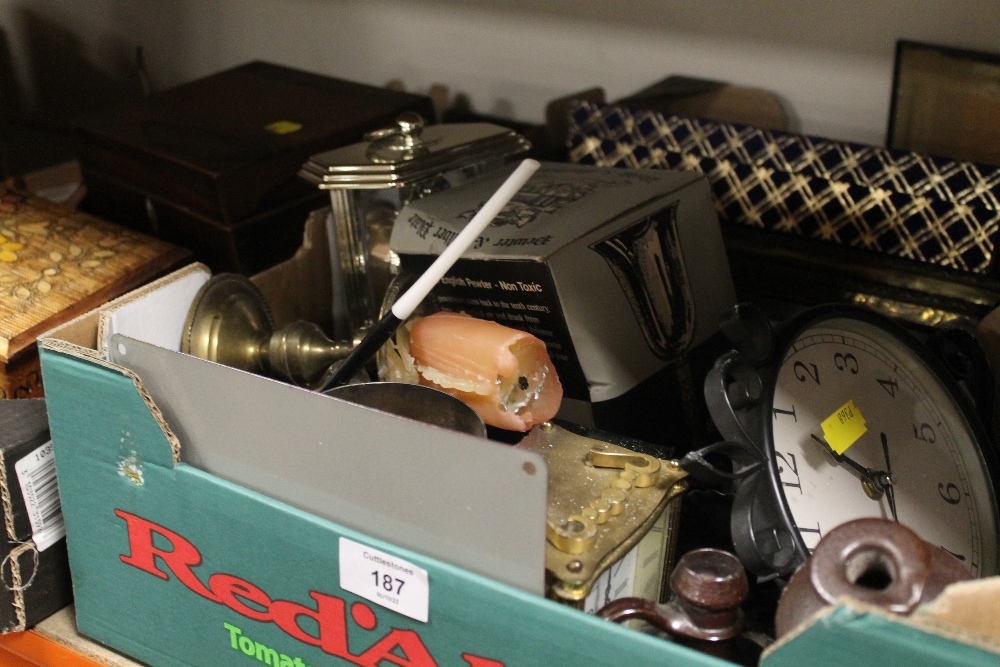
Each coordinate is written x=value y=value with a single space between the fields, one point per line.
x=464 y=500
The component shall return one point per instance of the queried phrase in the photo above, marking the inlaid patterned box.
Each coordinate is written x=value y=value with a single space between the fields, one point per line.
x=57 y=263
x=893 y=203
x=810 y=220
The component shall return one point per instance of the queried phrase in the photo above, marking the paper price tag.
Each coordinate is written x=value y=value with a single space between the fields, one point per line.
x=384 y=579
x=843 y=428
x=36 y=474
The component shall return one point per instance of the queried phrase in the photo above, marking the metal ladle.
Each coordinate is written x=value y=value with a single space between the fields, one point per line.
x=413 y=401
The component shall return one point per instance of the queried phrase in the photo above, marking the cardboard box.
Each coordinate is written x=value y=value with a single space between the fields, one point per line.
x=852 y=633
x=622 y=273
x=35 y=572
x=175 y=565
x=151 y=486
x=55 y=264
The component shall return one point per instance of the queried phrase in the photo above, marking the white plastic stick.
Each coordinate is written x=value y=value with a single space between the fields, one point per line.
x=404 y=306
x=411 y=298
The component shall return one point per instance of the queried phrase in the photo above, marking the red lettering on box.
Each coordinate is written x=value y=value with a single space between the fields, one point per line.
x=400 y=647
x=329 y=615
x=179 y=560
x=476 y=661
x=407 y=641
x=230 y=590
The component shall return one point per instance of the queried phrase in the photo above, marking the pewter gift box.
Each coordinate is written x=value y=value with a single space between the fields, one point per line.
x=619 y=272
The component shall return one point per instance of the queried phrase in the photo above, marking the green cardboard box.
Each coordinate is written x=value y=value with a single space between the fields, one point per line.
x=177 y=566
x=852 y=634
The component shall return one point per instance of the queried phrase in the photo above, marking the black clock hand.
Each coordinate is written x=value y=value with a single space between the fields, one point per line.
x=867 y=474
x=885 y=480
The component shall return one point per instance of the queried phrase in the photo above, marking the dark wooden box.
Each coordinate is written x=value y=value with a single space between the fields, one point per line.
x=246 y=246
x=221 y=154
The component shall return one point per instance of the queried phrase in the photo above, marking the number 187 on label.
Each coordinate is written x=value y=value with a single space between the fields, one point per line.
x=384 y=579
x=388 y=583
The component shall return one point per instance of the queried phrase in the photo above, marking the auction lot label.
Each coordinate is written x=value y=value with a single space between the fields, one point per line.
x=384 y=579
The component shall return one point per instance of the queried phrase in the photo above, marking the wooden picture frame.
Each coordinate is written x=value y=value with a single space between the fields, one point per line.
x=945 y=102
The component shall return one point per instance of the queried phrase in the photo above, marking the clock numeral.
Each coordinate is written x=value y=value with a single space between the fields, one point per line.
x=925 y=432
x=810 y=535
x=846 y=362
x=778 y=411
x=890 y=386
x=804 y=372
x=958 y=556
x=950 y=493
x=790 y=465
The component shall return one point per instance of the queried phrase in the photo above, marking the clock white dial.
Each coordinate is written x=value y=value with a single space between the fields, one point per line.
x=918 y=461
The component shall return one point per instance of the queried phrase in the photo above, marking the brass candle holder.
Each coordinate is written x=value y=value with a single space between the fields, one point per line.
x=230 y=323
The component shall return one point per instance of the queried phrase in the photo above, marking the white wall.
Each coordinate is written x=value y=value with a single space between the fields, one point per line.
x=831 y=61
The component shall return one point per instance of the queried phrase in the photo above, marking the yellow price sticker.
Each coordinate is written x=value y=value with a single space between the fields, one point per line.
x=843 y=428
x=283 y=127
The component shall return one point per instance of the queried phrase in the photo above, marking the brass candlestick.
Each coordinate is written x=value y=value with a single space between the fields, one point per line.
x=229 y=322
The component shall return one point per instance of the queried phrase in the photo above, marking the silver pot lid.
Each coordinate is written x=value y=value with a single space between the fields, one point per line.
x=409 y=152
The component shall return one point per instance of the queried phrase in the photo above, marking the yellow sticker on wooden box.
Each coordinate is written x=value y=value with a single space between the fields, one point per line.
x=283 y=127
